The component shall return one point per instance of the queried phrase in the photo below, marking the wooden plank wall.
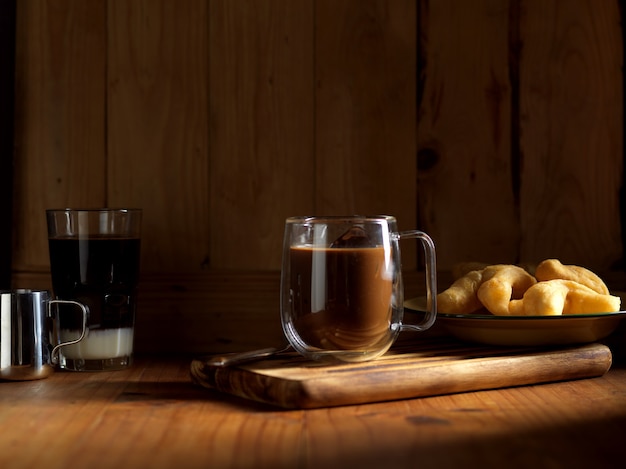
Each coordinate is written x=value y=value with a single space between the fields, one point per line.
x=521 y=134
x=494 y=125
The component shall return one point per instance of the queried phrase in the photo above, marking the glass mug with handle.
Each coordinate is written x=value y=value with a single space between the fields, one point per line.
x=341 y=286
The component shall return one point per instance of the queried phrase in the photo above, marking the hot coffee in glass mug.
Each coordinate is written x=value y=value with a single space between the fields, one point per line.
x=341 y=285
x=94 y=259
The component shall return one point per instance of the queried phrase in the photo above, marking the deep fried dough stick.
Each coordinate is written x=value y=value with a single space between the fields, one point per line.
x=460 y=297
x=553 y=269
x=501 y=284
x=563 y=297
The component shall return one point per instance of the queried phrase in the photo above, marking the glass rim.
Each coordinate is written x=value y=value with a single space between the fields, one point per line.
x=94 y=210
x=24 y=291
x=339 y=219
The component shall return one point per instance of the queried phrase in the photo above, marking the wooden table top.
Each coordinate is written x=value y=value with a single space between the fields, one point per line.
x=152 y=416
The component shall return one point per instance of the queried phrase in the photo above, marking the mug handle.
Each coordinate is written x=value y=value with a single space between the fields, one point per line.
x=85 y=312
x=431 y=280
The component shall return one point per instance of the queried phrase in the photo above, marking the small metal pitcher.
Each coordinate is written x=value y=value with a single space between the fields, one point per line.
x=26 y=322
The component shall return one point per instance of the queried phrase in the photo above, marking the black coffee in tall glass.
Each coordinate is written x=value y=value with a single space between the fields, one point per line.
x=100 y=272
x=94 y=259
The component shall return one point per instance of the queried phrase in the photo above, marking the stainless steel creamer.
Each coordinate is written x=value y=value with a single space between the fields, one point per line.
x=26 y=326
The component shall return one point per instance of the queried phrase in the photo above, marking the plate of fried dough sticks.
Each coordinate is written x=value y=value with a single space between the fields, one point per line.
x=505 y=304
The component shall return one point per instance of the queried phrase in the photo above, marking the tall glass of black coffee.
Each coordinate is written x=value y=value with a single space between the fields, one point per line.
x=94 y=259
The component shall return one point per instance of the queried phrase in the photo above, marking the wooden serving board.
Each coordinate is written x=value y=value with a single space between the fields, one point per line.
x=424 y=368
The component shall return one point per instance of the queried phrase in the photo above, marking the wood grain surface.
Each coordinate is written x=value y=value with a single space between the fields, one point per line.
x=422 y=368
x=60 y=157
x=157 y=127
x=571 y=74
x=262 y=148
x=465 y=189
x=520 y=140
x=152 y=416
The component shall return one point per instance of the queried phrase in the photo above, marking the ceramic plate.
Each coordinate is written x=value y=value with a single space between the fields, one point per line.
x=526 y=330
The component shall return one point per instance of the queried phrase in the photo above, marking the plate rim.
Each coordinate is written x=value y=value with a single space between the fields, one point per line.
x=493 y=317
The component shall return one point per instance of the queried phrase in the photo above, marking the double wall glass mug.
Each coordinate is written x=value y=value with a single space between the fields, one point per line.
x=341 y=286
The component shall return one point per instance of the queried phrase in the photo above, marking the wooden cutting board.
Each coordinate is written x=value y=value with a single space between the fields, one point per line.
x=419 y=369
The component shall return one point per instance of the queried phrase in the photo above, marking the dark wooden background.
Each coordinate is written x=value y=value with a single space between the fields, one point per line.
x=494 y=125
x=7 y=86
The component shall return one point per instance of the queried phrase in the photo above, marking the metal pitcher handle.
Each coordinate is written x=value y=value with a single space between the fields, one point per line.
x=85 y=312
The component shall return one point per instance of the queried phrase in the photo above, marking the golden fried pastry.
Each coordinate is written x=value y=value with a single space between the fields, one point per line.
x=460 y=297
x=562 y=297
x=553 y=269
x=509 y=290
x=501 y=284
